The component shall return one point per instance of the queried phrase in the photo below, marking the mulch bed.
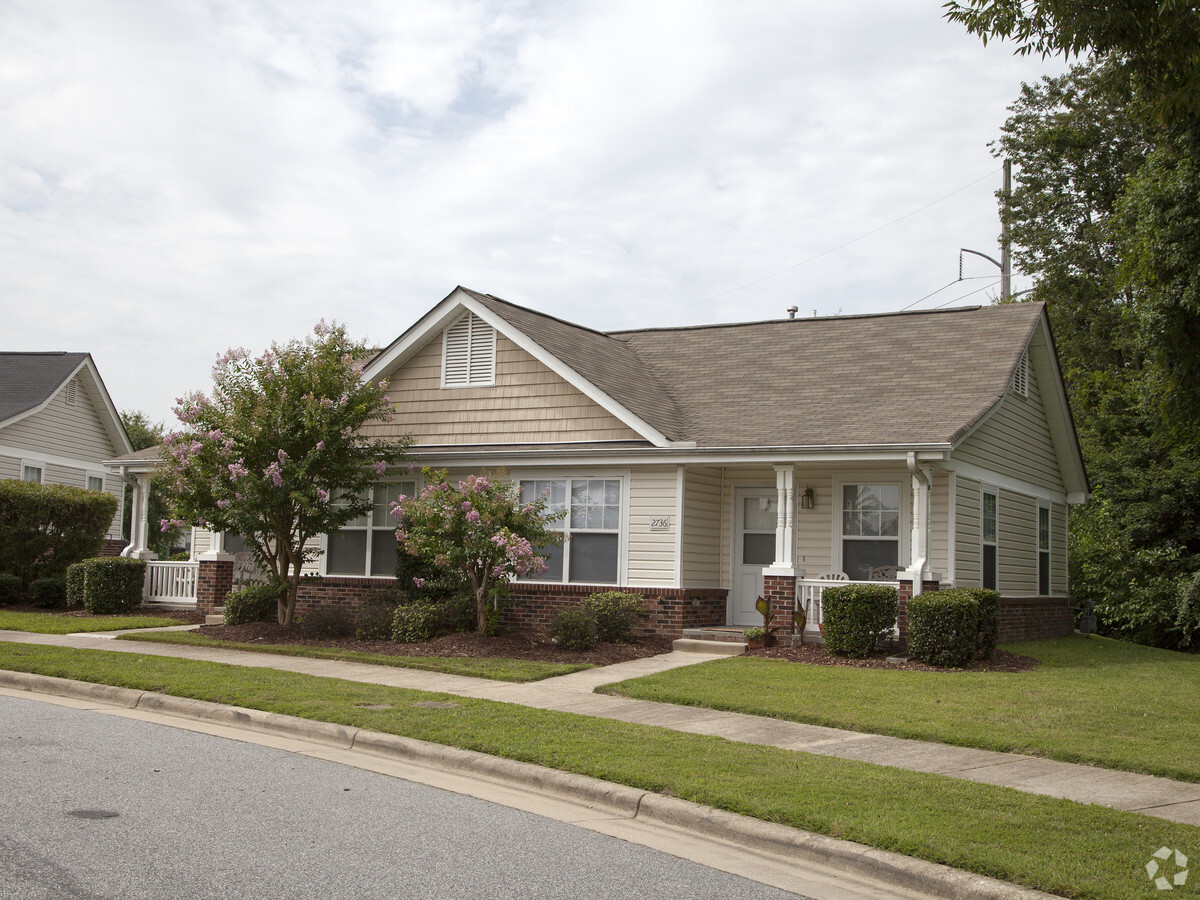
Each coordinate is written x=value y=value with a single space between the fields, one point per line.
x=507 y=645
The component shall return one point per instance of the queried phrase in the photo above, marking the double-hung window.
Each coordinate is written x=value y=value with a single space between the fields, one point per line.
x=591 y=528
x=870 y=528
x=31 y=472
x=95 y=482
x=989 y=538
x=367 y=545
x=1044 y=551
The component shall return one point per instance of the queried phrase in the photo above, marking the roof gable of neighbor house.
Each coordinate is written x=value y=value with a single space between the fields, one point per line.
x=30 y=381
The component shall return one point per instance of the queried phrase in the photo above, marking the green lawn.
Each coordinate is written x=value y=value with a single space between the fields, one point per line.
x=519 y=670
x=1053 y=845
x=50 y=623
x=1092 y=700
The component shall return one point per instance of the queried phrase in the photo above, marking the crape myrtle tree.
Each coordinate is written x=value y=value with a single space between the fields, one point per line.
x=480 y=527
x=277 y=453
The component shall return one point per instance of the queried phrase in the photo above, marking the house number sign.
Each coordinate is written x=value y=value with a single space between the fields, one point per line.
x=660 y=523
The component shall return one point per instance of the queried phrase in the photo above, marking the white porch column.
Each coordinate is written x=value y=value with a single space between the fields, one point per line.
x=140 y=524
x=922 y=482
x=785 y=488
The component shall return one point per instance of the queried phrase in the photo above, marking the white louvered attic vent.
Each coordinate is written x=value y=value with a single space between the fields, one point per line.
x=1020 y=379
x=72 y=391
x=469 y=353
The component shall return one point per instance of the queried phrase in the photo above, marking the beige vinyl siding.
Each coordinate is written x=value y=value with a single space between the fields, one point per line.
x=1015 y=441
x=1017 y=544
x=73 y=432
x=652 y=493
x=528 y=404
x=967 y=562
x=701 y=528
x=939 y=511
x=67 y=475
x=10 y=467
x=1058 y=549
x=313 y=567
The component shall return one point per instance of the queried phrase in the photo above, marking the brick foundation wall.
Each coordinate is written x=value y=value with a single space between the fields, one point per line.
x=780 y=592
x=1032 y=618
x=670 y=609
x=112 y=547
x=534 y=605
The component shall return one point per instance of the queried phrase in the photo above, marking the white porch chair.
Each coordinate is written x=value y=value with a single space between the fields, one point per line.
x=883 y=573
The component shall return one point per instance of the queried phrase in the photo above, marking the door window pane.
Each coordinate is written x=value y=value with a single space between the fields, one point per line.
x=760 y=514
x=758 y=549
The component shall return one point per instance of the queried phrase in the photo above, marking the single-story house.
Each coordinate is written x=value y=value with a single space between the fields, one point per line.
x=58 y=425
x=705 y=466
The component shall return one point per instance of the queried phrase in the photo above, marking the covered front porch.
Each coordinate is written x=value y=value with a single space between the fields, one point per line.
x=792 y=531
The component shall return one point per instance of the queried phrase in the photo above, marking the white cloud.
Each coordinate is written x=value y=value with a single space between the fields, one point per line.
x=179 y=178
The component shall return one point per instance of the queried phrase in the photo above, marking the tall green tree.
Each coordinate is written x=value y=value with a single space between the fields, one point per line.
x=1087 y=222
x=278 y=452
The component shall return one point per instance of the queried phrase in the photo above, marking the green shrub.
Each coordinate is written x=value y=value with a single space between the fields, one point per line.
x=1187 y=611
x=111 y=584
x=373 y=619
x=254 y=603
x=574 y=628
x=943 y=627
x=856 y=617
x=416 y=622
x=48 y=591
x=327 y=622
x=44 y=528
x=988 y=634
x=10 y=588
x=615 y=612
x=76 y=575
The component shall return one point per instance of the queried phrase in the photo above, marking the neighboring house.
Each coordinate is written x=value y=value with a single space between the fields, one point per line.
x=58 y=425
x=705 y=466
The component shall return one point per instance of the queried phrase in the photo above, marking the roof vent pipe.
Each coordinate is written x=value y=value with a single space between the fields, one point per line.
x=792 y=310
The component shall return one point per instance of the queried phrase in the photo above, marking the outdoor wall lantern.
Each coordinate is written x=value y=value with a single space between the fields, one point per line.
x=808 y=499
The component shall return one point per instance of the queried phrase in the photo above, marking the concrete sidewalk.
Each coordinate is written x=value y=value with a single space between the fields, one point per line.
x=1160 y=797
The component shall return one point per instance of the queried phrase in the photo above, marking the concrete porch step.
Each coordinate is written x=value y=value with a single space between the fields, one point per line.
x=716 y=633
x=216 y=617
x=719 y=648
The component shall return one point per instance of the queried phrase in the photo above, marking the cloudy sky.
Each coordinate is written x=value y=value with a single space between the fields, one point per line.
x=180 y=177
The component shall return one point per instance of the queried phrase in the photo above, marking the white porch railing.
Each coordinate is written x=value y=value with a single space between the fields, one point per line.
x=170 y=582
x=808 y=598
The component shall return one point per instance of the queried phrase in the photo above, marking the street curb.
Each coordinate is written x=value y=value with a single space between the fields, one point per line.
x=744 y=831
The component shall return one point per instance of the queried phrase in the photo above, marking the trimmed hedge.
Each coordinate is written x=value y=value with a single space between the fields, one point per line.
x=416 y=622
x=615 y=612
x=856 y=617
x=574 y=628
x=106 y=585
x=44 y=528
x=254 y=603
x=988 y=633
x=10 y=588
x=943 y=627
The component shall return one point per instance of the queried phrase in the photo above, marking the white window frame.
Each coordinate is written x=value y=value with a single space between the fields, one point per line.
x=985 y=490
x=369 y=528
x=34 y=464
x=564 y=524
x=480 y=353
x=87 y=479
x=903 y=551
x=1043 y=508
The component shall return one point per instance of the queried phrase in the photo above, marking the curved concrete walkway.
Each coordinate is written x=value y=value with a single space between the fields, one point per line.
x=1174 y=800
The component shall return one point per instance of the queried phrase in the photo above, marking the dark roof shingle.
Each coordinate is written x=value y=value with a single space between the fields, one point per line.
x=28 y=379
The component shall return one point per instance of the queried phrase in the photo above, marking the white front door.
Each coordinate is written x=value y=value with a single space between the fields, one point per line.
x=756 y=514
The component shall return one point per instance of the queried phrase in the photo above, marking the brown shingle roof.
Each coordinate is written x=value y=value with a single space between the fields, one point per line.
x=889 y=379
x=901 y=378
x=29 y=379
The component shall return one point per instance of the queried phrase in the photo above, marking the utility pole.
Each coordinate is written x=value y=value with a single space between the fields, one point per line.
x=1005 y=260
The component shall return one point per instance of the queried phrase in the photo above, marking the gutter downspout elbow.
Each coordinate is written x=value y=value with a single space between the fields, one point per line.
x=133 y=500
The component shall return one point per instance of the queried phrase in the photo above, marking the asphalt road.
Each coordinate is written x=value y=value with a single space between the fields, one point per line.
x=95 y=806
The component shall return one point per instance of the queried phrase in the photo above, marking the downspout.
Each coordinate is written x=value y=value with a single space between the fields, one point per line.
x=920 y=529
x=134 y=507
